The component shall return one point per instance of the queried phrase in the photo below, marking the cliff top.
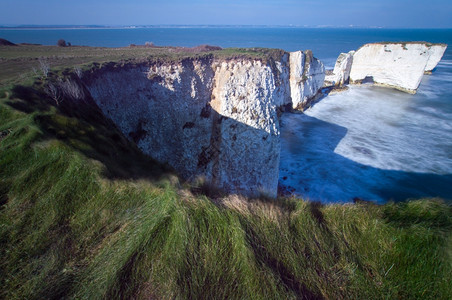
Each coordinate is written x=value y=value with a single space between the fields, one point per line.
x=428 y=44
x=18 y=62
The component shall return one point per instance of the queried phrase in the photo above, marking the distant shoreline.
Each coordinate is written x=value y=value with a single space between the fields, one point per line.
x=193 y=26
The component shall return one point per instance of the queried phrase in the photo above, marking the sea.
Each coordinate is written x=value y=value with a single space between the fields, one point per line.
x=368 y=143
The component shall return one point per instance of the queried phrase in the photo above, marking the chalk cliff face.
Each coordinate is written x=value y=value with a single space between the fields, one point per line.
x=208 y=117
x=245 y=101
x=306 y=77
x=436 y=52
x=158 y=107
x=341 y=72
x=398 y=65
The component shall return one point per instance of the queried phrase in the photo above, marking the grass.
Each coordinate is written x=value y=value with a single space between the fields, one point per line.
x=21 y=62
x=84 y=215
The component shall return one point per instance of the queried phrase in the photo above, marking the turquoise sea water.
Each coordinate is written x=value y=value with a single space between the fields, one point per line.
x=369 y=142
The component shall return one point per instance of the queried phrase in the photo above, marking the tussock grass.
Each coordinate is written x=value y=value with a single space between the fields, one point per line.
x=84 y=215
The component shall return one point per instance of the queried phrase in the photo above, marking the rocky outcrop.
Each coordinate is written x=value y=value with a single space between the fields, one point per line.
x=397 y=65
x=307 y=74
x=215 y=118
x=341 y=72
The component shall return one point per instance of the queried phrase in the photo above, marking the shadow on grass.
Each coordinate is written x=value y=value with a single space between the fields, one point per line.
x=314 y=208
x=82 y=126
x=3 y=195
x=291 y=283
x=433 y=214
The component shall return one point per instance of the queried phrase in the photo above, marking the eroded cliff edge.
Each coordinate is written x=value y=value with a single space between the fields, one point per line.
x=209 y=117
x=398 y=65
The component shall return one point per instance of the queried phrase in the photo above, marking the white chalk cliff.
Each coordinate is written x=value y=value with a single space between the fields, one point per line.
x=209 y=117
x=306 y=77
x=341 y=72
x=397 y=65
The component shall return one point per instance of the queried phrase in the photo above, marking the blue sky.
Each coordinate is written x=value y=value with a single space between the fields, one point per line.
x=387 y=13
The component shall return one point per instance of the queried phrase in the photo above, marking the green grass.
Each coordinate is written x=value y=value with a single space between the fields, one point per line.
x=84 y=215
x=24 y=61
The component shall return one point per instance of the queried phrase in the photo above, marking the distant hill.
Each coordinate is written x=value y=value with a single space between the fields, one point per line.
x=53 y=26
x=4 y=42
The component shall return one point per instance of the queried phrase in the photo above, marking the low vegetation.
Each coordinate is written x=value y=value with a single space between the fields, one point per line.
x=23 y=61
x=84 y=215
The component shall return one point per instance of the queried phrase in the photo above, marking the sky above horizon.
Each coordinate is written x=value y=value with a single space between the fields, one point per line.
x=380 y=13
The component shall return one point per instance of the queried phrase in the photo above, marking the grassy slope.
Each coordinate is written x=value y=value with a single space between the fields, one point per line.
x=85 y=215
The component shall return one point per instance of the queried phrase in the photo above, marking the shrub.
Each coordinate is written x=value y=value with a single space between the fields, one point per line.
x=45 y=67
x=61 y=43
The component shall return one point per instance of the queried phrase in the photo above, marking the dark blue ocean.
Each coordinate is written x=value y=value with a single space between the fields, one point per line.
x=368 y=142
x=326 y=43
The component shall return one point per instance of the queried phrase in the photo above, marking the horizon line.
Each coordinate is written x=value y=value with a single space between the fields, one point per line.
x=63 y=26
